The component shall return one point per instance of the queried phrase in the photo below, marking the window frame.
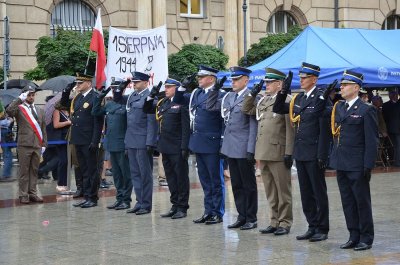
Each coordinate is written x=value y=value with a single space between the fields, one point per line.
x=286 y=15
x=65 y=8
x=189 y=14
x=385 y=22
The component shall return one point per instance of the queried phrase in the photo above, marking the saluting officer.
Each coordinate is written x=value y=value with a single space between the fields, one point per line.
x=355 y=130
x=174 y=132
x=308 y=114
x=140 y=141
x=205 y=141
x=274 y=149
x=238 y=146
x=85 y=135
x=115 y=112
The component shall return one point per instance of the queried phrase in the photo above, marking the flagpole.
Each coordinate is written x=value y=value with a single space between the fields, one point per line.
x=87 y=62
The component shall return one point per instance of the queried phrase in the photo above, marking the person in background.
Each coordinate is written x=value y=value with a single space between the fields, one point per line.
x=391 y=114
x=61 y=124
x=6 y=124
x=32 y=141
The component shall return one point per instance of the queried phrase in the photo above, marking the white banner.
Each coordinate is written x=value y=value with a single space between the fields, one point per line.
x=144 y=51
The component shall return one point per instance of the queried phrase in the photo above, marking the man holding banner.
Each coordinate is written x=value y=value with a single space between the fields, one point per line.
x=32 y=141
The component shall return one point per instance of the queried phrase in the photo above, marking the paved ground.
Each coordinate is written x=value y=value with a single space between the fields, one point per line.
x=57 y=233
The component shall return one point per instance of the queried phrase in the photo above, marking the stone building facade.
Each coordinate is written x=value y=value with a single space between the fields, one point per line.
x=215 y=22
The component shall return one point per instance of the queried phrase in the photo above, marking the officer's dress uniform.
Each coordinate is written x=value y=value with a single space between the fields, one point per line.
x=114 y=143
x=141 y=132
x=355 y=148
x=312 y=143
x=205 y=142
x=275 y=138
x=174 y=132
x=239 y=140
x=85 y=131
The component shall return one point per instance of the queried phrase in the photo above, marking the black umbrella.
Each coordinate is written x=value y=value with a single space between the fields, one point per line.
x=8 y=95
x=57 y=83
x=18 y=83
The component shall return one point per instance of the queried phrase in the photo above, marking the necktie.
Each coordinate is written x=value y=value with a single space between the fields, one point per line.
x=346 y=106
x=236 y=96
x=33 y=113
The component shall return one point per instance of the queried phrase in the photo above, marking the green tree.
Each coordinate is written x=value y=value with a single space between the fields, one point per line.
x=65 y=54
x=269 y=45
x=187 y=60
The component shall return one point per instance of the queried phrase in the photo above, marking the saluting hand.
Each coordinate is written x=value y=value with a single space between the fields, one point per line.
x=330 y=88
x=156 y=90
x=190 y=81
x=104 y=92
x=287 y=83
x=220 y=83
x=70 y=86
x=257 y=88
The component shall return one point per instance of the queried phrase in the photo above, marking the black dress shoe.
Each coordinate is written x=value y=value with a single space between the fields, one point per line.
x=169 y=214
x=306 y=235
x=115 y=204
x=142 y=211
x=89 y=204
x=202 y=219
x=122 y=206
x=318 y=237
x=133 y=210
x=362 y=246
x=77 y=194
x=348 y=244
x=249 y=225
x=80 y=203
x=214 y=220
x=281 y=231
x=237 y=224
x=269 y=230
x=179 y=214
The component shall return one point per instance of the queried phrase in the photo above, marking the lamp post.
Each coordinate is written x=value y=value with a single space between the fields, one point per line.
x=244 y=7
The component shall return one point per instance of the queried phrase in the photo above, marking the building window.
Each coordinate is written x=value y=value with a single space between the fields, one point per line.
x=191 y=8
x=391 y=22
x=72 y=15
x=280 y=22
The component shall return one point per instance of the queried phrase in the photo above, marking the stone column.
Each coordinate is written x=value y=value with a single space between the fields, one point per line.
x=159 y=13
x=231 y=32
x=240 y=27
x=397 y=10
x=144 y=14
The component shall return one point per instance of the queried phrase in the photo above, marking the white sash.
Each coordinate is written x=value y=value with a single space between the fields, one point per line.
x=32 y=122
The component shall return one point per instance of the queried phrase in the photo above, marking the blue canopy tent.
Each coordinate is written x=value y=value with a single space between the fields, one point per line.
x=375 y=53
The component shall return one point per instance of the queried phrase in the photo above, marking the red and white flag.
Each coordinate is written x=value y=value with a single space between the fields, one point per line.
x=97 y=45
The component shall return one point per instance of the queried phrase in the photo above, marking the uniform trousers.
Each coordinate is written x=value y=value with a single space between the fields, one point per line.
x=395 y=138
x=29 y=160
x=88 y=165
x=177 y=173
x=140 y=165
x=278 y=189
x=212 y=181
x=314 y=197
x=356 y=201
x=121 y=176
x=244 y=188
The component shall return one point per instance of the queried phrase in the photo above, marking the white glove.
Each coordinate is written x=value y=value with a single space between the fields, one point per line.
x=43 y=149
x=24 y=95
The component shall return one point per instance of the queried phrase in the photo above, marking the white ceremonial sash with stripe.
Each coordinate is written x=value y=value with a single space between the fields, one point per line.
x=32 y=122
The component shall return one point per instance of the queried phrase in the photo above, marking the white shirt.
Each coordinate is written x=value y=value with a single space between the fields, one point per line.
x=351 y=102
x=87 y=92
x=29 y=107
x=208 y=88
x=241 y=91
x=309 y=92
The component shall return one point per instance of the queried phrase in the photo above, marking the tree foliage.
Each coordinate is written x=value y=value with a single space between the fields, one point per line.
x=269 y=45
x=65 y=54
x=1 y=74
x=187 y=60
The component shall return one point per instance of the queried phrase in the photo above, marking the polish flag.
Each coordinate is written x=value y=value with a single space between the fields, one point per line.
x=97 y=45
